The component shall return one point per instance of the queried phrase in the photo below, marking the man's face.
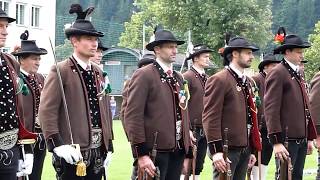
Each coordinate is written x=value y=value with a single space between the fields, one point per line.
x=243 y=58
x=97 y=57
x=3 y=31
x=202 y=60
x=295 y=55
x=85 y=45
x=167 y=52
x=31 y=63
x=269 y=67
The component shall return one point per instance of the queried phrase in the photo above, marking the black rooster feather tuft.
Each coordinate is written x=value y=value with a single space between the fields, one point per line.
x=24 y=35
x=76 y=8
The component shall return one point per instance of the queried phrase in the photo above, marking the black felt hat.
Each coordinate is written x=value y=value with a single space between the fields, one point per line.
x=28 y=46
x=82 y=26
x=238 y=43
x=163 y=36
x=199 y=49
x=4 y=15
x=267 y=59
x=146 y=59
x=100 y=45
x=289 y=41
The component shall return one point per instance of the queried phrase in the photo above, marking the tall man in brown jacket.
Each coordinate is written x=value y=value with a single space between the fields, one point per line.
x=29 y=59
x=88 y=123
x=145 y=60
x=197 y=78
x=228 y=103
x=287 y=106
x=157 y=104
x=265 y=66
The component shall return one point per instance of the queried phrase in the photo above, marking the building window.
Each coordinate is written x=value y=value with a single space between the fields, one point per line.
x=20 y=13
x=35 y=16
x=4 y=6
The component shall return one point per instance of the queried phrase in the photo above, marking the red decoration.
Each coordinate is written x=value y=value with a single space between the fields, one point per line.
x=221 y=50
x=255 y=135
x=279 y=38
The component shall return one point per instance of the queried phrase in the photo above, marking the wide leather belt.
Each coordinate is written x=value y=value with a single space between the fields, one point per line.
x=8 y=139
x=96 y=137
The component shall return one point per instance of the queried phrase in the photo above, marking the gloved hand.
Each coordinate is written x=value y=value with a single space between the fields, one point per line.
x=107 y=161
x=68 y=153
x=25 y=167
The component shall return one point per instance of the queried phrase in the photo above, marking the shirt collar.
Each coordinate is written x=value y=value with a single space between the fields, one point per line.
x=238 y=72
x=24 y=72
x=164 y=66
x=200 y=71
x=294 y=67
x=82 y=63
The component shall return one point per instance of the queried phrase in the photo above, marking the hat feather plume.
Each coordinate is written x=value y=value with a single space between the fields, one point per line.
x=279 y=37
x=77 y=8
x=24 y=35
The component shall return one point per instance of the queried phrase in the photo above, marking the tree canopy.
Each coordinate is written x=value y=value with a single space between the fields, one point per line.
x=208 y=20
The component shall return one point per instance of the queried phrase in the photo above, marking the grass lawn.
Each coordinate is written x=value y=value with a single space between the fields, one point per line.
x=120 y=167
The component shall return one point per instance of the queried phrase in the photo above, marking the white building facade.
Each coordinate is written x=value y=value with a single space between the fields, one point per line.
x=36 y=16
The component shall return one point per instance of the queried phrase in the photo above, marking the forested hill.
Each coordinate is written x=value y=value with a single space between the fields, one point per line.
x=298 y=16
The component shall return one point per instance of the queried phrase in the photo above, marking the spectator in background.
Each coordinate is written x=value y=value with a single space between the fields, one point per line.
x=113 y=106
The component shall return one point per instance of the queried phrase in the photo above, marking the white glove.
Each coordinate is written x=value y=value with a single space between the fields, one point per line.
x=25 y=167
x=107 y=161
x=68 y=153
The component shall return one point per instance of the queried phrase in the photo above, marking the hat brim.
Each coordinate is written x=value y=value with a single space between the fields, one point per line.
x=266 y=62
x=41 y=51
x=10 y=20
x=280 y=49
x=145 y=61
x=229 y=49
x=103 y=48
x=198 y=53
x=73 y=31
x=152 y=44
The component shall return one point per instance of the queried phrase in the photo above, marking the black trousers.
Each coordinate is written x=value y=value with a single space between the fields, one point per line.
x=298 y=151
x=170 y=164
x=239 y=158
x=93 y=158
x=267 y=147
x=39 y=151
x=201 y=150
x=9 y=163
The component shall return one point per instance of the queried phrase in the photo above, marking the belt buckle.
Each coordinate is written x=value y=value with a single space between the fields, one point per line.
x=8 y=139
x=96 y=137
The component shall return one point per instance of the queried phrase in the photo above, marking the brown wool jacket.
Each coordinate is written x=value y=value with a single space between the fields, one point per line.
x=29 y=105
x=224 y=107
x=315 y=100
x=151 y=108
x=124 y=105
x=195 y=105
x=52 y=112
x=284 y=107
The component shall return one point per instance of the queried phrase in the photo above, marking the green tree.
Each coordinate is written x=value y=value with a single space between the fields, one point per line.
x=64 y=50
x=208 y=20
x=312 y=54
